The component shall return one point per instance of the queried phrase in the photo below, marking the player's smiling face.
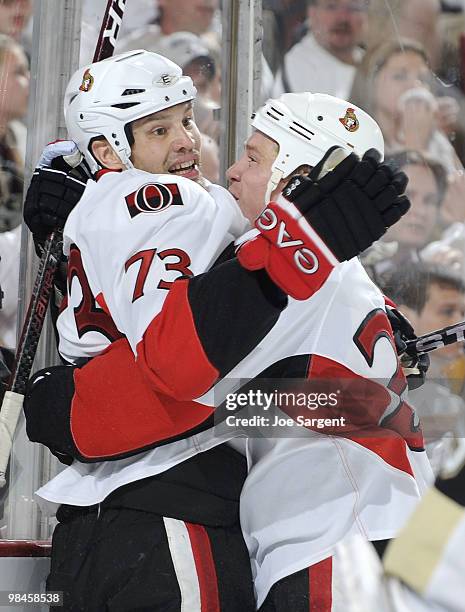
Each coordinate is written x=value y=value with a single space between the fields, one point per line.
x=249 y=176
x=167 y=142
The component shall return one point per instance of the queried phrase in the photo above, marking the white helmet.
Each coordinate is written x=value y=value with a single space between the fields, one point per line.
x=306 y=125
x=104 y=97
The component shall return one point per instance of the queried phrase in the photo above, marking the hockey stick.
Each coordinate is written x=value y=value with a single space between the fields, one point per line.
x=436 y=339
x=43 y=286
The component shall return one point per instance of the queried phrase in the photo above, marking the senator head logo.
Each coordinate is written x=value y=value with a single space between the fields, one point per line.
x=350 y=121
x=87 y=81
x=153 y=198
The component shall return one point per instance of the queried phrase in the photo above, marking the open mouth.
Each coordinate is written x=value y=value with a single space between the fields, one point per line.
x=183 y=168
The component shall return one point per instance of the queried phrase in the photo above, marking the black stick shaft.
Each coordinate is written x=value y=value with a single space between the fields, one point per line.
x=437 y=339
x=36 y=313
x=43 y=285
x=109 y=31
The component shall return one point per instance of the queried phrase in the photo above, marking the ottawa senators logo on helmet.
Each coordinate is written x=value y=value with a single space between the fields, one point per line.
x=153 y=198
x=87 y=81
x=350 y=121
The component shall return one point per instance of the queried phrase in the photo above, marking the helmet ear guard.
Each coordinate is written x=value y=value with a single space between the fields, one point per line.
x=306 y=125
x=103 y=98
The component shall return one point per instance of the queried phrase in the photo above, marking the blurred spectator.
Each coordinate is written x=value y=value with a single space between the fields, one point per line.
x=14 y=16
x=195 y=16
x=206 y=118
x=414 y=19
x=284 y=24
x=183 y=29
x=10 y=243
x=451 y=26
x=136 y=15
x=325 y=59
x=432 y=296
x=195 y=58
x=197 y=61
x=393 y=84
x=426 y=188
x=210 y=159
x=14 y=87
x=453 y=209
x=438 y=33
x=438 y=252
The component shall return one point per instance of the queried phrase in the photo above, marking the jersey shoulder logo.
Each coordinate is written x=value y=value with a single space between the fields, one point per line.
x=153 y=198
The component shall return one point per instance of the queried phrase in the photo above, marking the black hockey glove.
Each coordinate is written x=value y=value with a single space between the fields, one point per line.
x=318 y=222
x=56 y=187
x=352 y=206
x=51 y=196
x=47 y=408
x=415 y=368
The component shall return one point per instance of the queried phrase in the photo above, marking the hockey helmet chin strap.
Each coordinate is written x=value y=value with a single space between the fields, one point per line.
x=124 y=158
x=127 y=163
x=275 y=179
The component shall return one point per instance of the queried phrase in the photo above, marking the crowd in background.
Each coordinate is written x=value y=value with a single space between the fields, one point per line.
x=15 y=45
x=403 y=61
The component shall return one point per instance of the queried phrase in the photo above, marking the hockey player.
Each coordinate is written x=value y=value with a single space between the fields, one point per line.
x=322 y=489
x=106 y=279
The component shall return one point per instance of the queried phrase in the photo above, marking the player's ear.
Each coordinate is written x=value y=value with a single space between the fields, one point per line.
x=106 y=155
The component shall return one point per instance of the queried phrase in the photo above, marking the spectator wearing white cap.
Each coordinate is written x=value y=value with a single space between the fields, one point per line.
x=192 y=54
x=197 y=60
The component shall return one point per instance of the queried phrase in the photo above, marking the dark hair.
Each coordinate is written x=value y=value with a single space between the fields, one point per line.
x=414 y=158
x=409 y=285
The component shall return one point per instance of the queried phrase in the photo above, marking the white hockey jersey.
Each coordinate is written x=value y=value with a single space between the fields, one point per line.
x=305 y=494
x=127 y=240
x=302 y=495
x=131 y=235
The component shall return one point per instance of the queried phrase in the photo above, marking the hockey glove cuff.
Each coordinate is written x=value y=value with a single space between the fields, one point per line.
x=290 y=251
